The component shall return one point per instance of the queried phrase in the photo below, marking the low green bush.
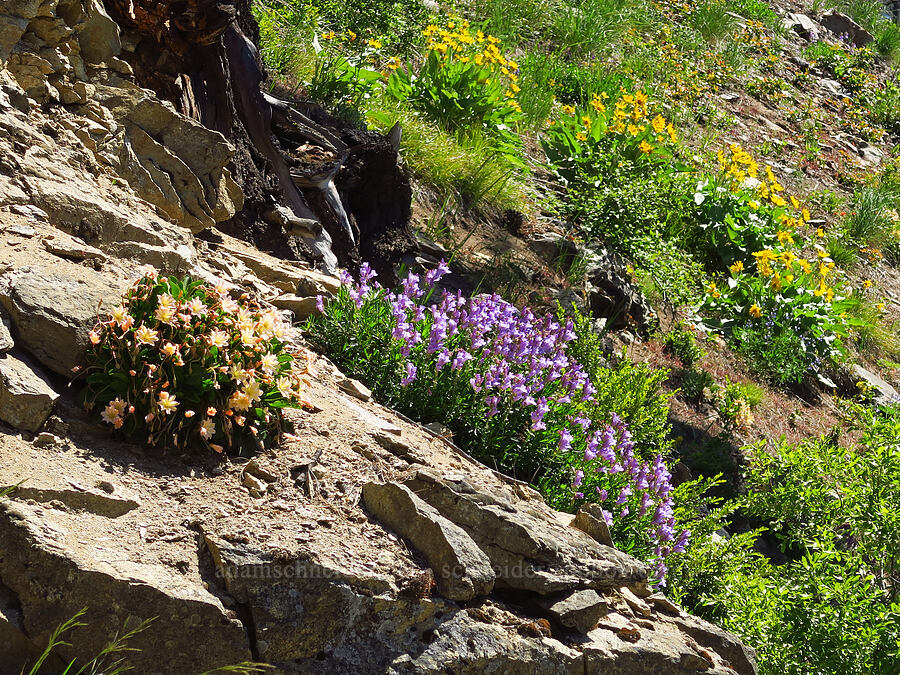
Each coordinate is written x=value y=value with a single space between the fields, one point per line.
x=832 y=608
x=180 y=363
x=682 y=342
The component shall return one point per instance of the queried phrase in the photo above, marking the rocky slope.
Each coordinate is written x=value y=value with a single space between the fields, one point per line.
x=365 y=544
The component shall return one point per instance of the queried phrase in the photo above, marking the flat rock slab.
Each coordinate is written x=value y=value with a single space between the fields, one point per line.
x=461 y=569
x=50 y=573
x=112 y=504
x=528 y=547
x=26 y=397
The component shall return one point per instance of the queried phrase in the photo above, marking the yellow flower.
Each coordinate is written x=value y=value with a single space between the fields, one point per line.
x=351 y=35
x=755 y=311
x=794 y=202
x=645 y=147
x=737 y=267
x=820 y=232
x=785 y=237
x=658 y=124
x=329 y=35
x=580 y=136
x=568 y=109
x=867 y=283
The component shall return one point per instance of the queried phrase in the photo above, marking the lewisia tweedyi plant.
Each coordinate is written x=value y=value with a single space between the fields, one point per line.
x=184 y=364
x=502 y=380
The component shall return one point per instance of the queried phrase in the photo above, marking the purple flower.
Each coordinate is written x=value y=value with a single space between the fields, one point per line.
x=366 y=273
x=579 y=477
x=682 y=541
x=320 y=303
x=565 y=439
x=410 y=374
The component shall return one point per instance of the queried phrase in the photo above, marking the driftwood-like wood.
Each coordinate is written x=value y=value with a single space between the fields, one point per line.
x=202 y=56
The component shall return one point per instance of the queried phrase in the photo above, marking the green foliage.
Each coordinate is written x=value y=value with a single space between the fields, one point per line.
x=713 y=19
x=869 y=222
x=697 y=384
x=468 y=171
x=465 y=83
x=624 y=184
x=682 y=342
x=777 y=355
x=629 y=389
x=181 y=363
x=832 y=607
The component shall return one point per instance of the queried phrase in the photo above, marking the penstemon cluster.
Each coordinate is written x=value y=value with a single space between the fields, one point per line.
x=182 y=363
x=501 y=378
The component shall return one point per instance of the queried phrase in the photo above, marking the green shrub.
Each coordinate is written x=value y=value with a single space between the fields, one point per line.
x=682 y=342
x=832 y=607
x=465 y=83
x=182 y=364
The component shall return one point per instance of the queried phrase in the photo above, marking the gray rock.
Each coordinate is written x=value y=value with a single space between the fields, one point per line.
x=637 y=605
x=73 y=248
x=612 y=294
x=580 y=610
x=21 y=231
x=802 y=25
x=528 y=547
x=30 y=211
x=462 y=571
x=590 y=520
x=355 y=388
x=660 y=601
x=6 y=339
x=99 y=36
x=884 y=392
x=842 y=25
x=631 y=651
x=53 y=576
x=741 y=657
x=301 y=308
x=14 y=18
x=556 y=250
x=26 y=397
x=284 y=275
x=53 y=309
x=110 y=504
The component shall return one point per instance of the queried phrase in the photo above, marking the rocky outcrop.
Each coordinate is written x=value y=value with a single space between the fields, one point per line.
x=340 y=581
x=66 y=54
x=461 y=569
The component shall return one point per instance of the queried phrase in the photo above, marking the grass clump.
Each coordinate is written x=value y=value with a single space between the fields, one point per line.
x=182 y=364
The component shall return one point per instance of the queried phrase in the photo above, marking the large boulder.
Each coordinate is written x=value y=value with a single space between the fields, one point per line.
x=42 y=562
x=843 y=26
x=54 y=308
x=528 y=547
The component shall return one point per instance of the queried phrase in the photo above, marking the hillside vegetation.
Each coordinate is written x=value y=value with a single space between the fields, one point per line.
x=742 y=164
